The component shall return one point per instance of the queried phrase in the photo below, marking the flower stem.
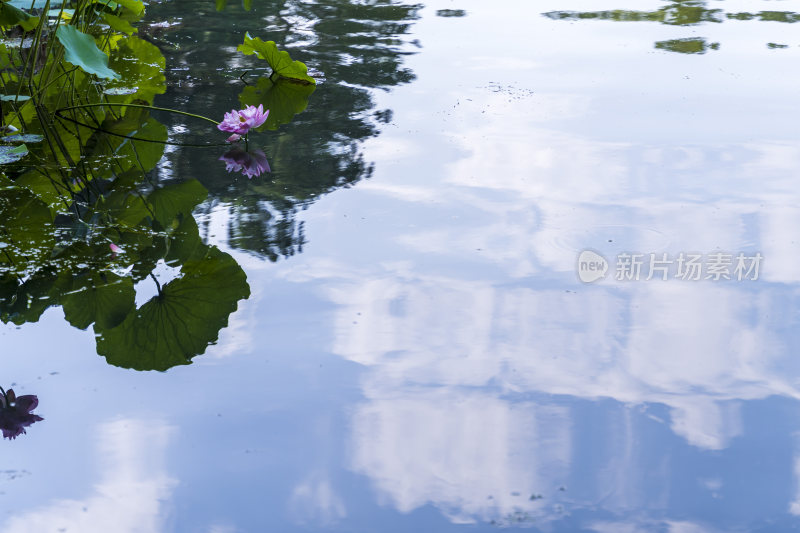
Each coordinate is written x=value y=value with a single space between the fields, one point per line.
x=158 y=285
x=139 y=105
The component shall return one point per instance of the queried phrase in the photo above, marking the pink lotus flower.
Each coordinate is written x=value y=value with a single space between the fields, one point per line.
x=15 y=413
x=248 y=163
x=240 y=122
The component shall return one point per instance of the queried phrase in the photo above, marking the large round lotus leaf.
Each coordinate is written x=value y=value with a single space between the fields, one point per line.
x=279 y=60
x=105 y=299
x=141 y=67
x=11 y=16
x=81 y=50
x=182 y=320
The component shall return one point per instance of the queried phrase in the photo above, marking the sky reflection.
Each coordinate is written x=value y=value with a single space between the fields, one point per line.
x=132 y=493
x=492 y=375
x=431 y=359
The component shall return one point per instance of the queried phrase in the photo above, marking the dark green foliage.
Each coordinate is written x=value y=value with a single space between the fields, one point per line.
x=284 y=98
x=81 y=224
x=182 y=320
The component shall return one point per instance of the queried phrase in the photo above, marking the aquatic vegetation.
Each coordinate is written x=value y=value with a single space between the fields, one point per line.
x=282 y=97
x=687 y=46
x=678 y=13
x=16 y=413
x=84 y=224
x=279 y=61
x=242 y=121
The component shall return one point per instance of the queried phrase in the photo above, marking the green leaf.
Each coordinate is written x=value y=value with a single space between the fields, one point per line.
x=283 y=98
x=81 y=51
x=69 y=145
x=24 y=114
x=178 y=198
x=141 y=65
x=103 y=299
x=11 y=16
x=182 y=320
x=137 y=6
x=5 y=56
x=26 y=228
x=45 y=188
x=185 y=243
x=9 y=154
x=130 y=145
x=147 y=154
x=118 y=24
x=126 y=208
x=280 y=61
x=106 y=3
x=25 y=302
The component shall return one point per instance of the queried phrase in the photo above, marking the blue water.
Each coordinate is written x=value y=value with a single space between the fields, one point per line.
x=427 y=358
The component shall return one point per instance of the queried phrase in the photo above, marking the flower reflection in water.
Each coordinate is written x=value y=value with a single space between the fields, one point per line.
x=15 y=413
x=249 y=162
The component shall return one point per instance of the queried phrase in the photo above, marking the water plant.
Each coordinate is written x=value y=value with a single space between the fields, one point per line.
x=16 y=413
x=240 y=122
x=84 y=223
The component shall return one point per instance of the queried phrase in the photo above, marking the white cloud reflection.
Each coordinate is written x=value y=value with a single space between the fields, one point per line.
x=471 y=325
x=460 y=450
x=131 y=494
x=314 y=501
x=451 y=354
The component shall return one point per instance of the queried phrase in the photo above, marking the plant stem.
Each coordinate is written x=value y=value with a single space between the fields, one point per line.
x=158 y=285
x=142 y=106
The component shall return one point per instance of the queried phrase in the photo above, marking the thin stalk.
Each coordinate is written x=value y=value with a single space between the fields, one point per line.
x=65 y=73
x=49 y=127
x=58 y=189
x=158 y=285
x=45 y=78
x=34 y=48
x=142 y=106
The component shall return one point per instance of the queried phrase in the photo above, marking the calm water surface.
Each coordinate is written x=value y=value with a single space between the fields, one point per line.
x=418 y=352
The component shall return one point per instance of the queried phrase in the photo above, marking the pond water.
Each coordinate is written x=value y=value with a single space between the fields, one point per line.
x=421 y=348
